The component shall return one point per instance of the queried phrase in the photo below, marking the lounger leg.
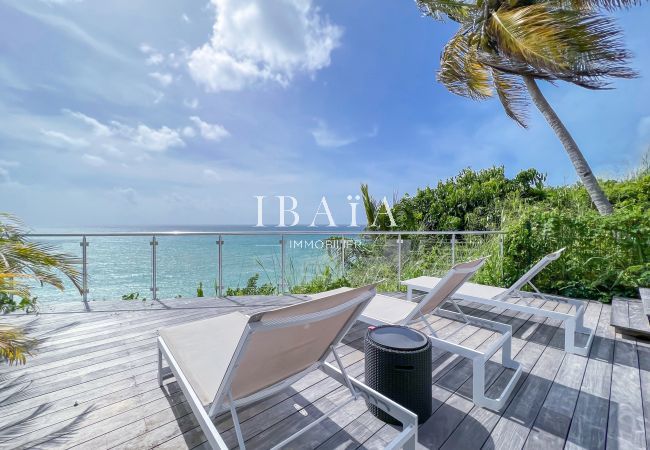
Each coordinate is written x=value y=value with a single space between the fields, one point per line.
x=409 y=293
x=235 y=421
x=506 y=353
x=478 y=381
x=160 y=379
x=580 y=317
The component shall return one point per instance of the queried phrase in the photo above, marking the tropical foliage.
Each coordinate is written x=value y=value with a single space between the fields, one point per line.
x=23 y=263
x=605 y=256
x=502 y=47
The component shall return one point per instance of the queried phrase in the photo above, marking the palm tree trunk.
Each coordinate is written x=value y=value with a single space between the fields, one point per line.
x=575 y=155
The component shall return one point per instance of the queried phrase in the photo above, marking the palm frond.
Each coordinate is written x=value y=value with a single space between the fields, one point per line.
x=579 y=47
x=461 y=71
x=42 y=261
x=594 y=5
x=458 y=11
x=15 y=346
x=513 y=95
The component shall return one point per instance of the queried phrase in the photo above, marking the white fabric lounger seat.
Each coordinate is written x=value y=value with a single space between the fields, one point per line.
x=573 y=320
x=386 y=310
x=228 y=361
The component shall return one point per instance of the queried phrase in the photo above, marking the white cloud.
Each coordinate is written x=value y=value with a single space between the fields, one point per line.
x=146 y=48
x=328 y=138
x=154 y=59
x=211 y=174
x=151 y=139
x=93 y=160
x=185 y=18
x=141 y=135
x=210 y=131
x=98 y=128
x=256 y=40
x=192 y=104
x=188 y=132
x=59 y=137
x=165 y=79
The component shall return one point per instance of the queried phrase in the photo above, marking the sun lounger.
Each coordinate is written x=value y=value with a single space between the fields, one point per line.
x=513 y=298
x=228 y=361
x=384 y=310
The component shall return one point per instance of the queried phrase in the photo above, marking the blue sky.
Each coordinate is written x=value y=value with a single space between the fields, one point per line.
x=149 y=112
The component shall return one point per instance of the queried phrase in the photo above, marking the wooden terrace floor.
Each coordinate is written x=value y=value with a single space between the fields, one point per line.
x=93 y=385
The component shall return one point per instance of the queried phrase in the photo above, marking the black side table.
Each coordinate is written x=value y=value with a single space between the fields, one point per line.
x=398 y=365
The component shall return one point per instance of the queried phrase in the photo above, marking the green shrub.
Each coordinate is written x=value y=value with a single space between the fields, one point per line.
x=252 y=288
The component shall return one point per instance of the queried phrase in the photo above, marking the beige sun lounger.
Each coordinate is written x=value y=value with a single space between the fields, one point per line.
x=383 y=310
x=503 y=298
x=228 y=361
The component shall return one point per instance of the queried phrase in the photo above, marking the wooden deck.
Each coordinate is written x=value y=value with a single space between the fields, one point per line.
x=93 y=385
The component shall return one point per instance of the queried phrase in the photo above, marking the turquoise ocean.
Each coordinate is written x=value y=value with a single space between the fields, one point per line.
x=121 y=265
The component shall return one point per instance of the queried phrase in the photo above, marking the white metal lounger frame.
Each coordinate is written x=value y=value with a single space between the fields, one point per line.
x=223 y=402
x=573 y=323
x=479 y=358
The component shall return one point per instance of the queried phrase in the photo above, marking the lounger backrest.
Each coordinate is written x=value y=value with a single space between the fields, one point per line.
x=286 y=341
x=532 y=273
x=449 y=284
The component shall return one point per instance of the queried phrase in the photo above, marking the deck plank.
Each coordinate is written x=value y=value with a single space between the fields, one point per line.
x=554 y=419
x=104 y=362
x=625 y=428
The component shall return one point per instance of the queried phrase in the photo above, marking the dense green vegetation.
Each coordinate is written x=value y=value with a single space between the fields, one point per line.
x=605 y=256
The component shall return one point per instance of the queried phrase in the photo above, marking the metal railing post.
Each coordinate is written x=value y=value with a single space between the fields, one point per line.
x=501 y=254
x=220 y=268
x=282 y=285
x=453 y=249
x=343 y=257
x=84 y=268
x=399 y=260
x=154 y=287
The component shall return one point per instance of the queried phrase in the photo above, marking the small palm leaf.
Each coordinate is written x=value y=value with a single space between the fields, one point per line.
x=461 y=71
x=15 y=346
x=593 y=5
x=458 y=11
x=513 y=95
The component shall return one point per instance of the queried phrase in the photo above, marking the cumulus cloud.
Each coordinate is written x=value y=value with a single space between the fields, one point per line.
x=328 y=138
x=165 y=79
x=256 y=40
x=154 y=59
x=141 y=136
x=210 y=131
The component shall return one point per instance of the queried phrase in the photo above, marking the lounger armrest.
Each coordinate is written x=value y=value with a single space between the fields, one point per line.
x=409 y=435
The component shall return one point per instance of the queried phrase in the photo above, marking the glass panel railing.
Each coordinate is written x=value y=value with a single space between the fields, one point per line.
x=251 y=264
x=189 y=264
x=118 y=267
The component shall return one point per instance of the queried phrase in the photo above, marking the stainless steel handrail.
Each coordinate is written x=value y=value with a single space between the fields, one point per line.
x=285 y=231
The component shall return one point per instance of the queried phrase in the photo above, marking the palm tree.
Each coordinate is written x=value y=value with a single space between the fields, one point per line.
x=506 y=46
x=22 y=261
